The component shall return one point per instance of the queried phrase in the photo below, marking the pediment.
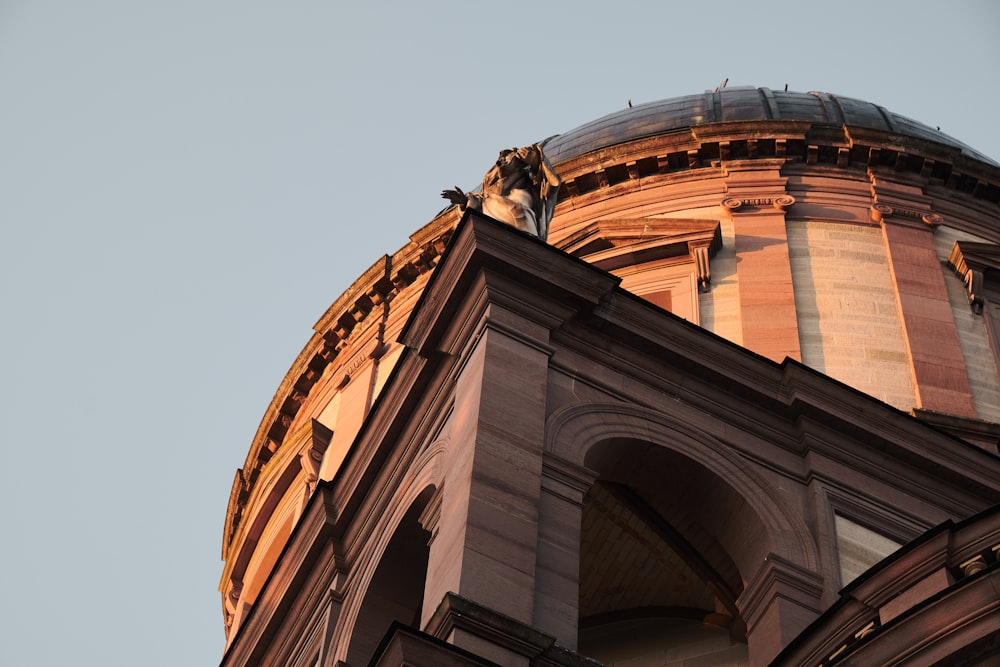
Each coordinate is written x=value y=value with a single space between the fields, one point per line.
x=616 y=242
x=978 y=265
x=983 y=257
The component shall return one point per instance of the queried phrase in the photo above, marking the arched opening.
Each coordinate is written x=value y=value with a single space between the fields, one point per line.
x=663 y=539
x=396 y=590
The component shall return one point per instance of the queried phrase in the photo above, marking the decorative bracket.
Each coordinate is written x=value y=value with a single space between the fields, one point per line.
x=699 y=251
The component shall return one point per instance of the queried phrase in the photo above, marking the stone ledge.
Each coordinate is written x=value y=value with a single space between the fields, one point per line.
x=458 y=613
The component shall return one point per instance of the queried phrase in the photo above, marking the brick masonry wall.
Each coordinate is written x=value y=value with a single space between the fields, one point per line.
x=984 y=378
x=849 y=323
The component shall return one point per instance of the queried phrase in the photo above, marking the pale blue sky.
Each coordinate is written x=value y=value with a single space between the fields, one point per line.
x=186 y=185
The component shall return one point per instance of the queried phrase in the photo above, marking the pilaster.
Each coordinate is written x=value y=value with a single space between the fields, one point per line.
x=557 y=568
x=492 y=308
x=777 y=604
x=756 y=200
x=936 y=359
x=484 y=548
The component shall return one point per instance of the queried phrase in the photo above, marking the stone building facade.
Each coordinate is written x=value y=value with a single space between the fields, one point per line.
x=741 y=409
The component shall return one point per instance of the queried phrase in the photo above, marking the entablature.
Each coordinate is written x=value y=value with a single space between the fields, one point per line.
x=841 y=147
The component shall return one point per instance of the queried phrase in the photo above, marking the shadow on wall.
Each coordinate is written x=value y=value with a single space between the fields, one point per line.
x=396 y=590
x=658 y=575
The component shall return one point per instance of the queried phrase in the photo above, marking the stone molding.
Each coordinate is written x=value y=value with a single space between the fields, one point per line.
x=979 y=432
x=778 y=577
x=573 y=431
x=404 y=646
x=899 y=201
x=459 y=613
x=484 y=264
x=676 y=154
x=952 y=571
x=566 y=480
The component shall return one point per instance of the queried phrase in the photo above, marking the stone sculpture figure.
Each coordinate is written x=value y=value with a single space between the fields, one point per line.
x=520 y=189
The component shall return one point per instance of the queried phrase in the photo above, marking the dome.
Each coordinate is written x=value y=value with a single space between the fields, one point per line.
x=744 y=295
x=742 y=104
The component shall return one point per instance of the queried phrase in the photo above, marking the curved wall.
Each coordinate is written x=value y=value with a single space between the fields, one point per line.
x=800 y=225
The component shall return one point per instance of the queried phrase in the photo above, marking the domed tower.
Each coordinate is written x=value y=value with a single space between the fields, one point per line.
x=742 y=406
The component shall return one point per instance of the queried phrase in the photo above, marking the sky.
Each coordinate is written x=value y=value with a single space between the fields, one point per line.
x=185 y=186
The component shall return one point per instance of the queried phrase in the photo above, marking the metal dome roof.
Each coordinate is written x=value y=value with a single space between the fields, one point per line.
x=741 y=103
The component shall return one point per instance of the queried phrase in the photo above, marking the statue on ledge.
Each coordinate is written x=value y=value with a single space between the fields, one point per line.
x=520 y=189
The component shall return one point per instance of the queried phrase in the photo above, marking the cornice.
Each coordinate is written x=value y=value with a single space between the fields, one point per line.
x=537 y=648
x=778 y=577
x=678 y=356
x=786 y=143
x=484 y=250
